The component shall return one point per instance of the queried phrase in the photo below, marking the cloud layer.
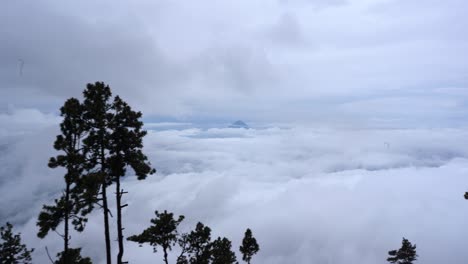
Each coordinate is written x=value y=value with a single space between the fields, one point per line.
x=358 y=107
x=310 y=194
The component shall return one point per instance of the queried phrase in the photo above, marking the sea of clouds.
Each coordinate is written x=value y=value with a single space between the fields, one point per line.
x=311 y=194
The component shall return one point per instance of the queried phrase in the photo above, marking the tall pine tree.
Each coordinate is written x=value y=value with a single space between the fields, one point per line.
x=96 y=114
x=71 y=206
x=113 y=143
x=126 y=143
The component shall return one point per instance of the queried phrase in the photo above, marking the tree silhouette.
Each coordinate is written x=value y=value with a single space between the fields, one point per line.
x=73 y=257
x=71 y=206
x=405 y=255
x=11 y=249
x=113 y=143
x=221 y=252
x=126 y=143
x=96 y=106
x=249 y=246
x=163 y=233
x=196 y=246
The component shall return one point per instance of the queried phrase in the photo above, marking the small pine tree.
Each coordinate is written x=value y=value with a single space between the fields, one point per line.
x=405 y=255
x=196 y=246
x=249 y=246
x=163 y=233
x=221 y=252
x=11 y=249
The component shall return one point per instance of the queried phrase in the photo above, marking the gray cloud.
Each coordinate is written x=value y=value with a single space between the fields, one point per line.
x=331 y=195
x=184 y=60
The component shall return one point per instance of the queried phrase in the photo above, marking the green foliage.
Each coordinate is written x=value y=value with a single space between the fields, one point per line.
x=73 y=257
x=221 y=252
x=11 y=249
x=162 y=233
x=249 y=246
x=405 y=255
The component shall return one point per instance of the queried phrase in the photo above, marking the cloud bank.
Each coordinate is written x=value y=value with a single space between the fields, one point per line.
x=310 y=194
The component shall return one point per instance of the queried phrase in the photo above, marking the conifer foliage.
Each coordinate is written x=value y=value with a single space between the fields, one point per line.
x=249 y=246
x=163 y=233
x=101 y=137
x=11 y=249
x=405 y=255
x=221 y=252
x=195 y=247
x=70 y=207
x=73 y=257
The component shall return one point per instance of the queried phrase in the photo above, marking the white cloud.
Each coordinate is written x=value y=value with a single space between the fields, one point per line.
x=309 y=194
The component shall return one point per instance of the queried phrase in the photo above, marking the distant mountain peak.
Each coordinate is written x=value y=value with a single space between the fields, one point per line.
x=239 y=124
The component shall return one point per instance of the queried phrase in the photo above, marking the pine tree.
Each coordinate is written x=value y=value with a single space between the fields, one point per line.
x=73 y=257
x=162 y=233
x=114 y=142
x=96 y=106
x=11 y=249
x=196 y=246
x=249 y=246
x=126 y=143
x=71 y=206
x=221 y=252
x=405 y=255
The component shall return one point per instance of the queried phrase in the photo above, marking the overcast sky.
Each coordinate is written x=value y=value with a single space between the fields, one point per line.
x=265 y=60
x=358 y=112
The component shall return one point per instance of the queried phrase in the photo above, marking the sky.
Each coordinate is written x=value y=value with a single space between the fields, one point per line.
x=357 y=111
x=270 y=61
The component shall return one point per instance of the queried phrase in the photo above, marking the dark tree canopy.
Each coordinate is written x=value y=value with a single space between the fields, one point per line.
x=197 y=245
x=405 y=255
x=11 y=249
x=221 y=252
x=76 y=200
x=162 y=233
x=70 y=206
x=73 y=257
x=114 y=142
x=249 y=246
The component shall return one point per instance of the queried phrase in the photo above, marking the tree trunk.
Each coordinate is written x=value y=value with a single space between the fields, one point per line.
x=165 y=255
x=119 y=194
x=106 y=224
x=104 y=204
x=67 y=216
